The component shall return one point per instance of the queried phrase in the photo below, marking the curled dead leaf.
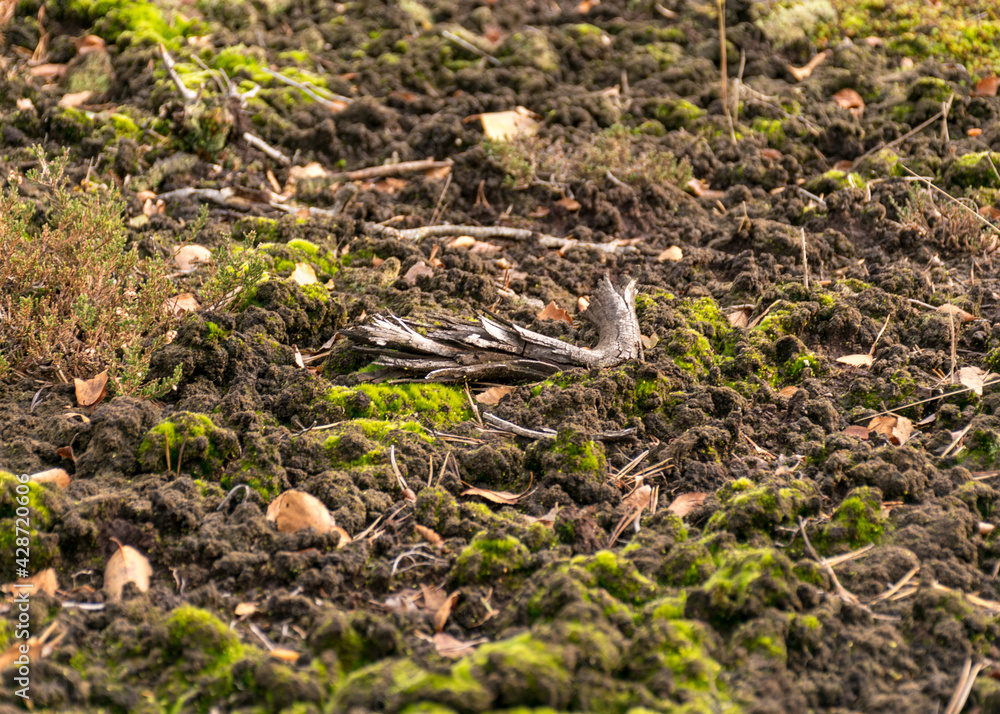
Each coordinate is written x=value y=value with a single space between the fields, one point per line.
x=547 y=519
x=582 y=303
x=673 y=254
x=570 y=204
x=505 y=497
x=788 y=391
x=850 y=100
x=554 y=312
x=72 y=100
x=126 y=565
x=428 y=534
x=90 y=392
x=188 y=257
x=294 y=510
x=740 y=317
x=990 y=212
x=701 y=189
x=245 y=609
x=58 y=477
x=442 y=614
x=974 y=378
x=448 y=646
x=44 y=581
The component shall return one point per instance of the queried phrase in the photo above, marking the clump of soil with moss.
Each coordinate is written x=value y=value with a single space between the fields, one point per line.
x=819 y=565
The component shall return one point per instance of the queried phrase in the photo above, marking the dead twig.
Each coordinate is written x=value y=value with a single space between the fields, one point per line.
x=898 y=586
x=264 y=147
x=487 y=232
x=469 y=47
x=401 y=167
x=188 y=95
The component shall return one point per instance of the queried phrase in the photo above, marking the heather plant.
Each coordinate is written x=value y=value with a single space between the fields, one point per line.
x=74 y=297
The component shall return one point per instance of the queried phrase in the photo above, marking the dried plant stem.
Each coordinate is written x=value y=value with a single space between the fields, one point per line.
x=805 y=258
x=723 y=68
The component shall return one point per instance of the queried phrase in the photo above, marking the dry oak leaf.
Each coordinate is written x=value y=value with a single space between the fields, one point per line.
x=896 y=429
x=304 y=274
x=803 y=72
x=686 y=502
x=189 y=257
x=59 y=477
x=448 y=646
x=949 y=309
x=294 y=510
x=493 y=395
x=90 y=392
x=126 y=565
x=850 y=100
x=508 y=125
x=554 y=312
x=864 y=360
x=987 y=87
x=673 y=254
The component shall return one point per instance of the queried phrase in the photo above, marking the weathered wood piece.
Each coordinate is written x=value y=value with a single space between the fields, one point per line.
x=496 y=349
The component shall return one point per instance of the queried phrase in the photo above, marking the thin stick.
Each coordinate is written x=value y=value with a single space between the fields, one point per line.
x=954 y=355
x=924 y=401
x=258 y=143
x=188 y=95
x=738 y=85
x=468 y=46
x=945 y=108
x=307 y=90
x=871 y=352
x=805 y=258
x=842 y=592
x=401 y=167
x=485 y=233
x=472 y=405
x=166 y=445
x=439 y=206
x=898 y=586
x=180 y=454
x=904 y=137
x=723 y=68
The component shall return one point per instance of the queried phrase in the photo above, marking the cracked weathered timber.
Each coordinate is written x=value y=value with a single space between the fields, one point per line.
x=496 y=349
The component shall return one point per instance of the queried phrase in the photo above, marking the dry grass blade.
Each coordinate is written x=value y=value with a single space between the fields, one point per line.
x=846 y=557
x=627 y=468
x=964 y=687
x=504 y=497
x=636 y=502
x=898 y=586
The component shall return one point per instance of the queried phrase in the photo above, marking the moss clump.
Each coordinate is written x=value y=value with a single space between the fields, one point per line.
x=677 y=113
x=133 y=21
x=771 y=129
x=750 y=511
x=857 y=521
x=579 y=453
x=618 y=576
x=442 y=404
x=202 y=651
x=42 y=548
x=536 y=670
x=748 y=581
x=490 y=558
x=206 y=447
x=974 y=170
x=435 y=508
x=834 y=180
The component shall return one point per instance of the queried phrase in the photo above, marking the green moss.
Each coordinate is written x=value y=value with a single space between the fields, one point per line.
x=42 y=549
x=974 y=170
x=193 y=628
x=579 y=453
x=772 y=130
x=134 y=21
x=759 y=510
x=442 y=404
x=206 y=447
x=834 y=180
x=537 y=666
x=748 y=581
x=858 y=519
x=618 y=576
x=490 y=558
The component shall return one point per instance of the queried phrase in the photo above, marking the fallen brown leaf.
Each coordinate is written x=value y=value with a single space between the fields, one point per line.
x=48 y=71
x=788 y=391
x=24 y=104
x=437 y=174
x=546 y=519
x=67 y=453
x=508 y=125
x=126 y=565
x=974 y=378
x=442 y=614
x=189 y=257
x=987 y=86
x=949 y=309
x=850 y=100
x=806 y=70
x=740 y=317
x=493 y=395
x=505 y=497
x=90 y=43
x=865 y=360
x=896 y=429
x=416 y=270
x=570 y=204
x=554 y=312
x=304 y=274
x=244 y=609
x=448 y=646
x=673 y=254
x=990 y=212
x=90 y=392
x=294 y=510
x=650 y=342
x=772 y=154
x=428 y=534
x=284 y=654
x=185 y=302
x=857 y=431
x=75 y=99
x=390 y=185
x=686 y=502
x=59 y=477
x=44 y=581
